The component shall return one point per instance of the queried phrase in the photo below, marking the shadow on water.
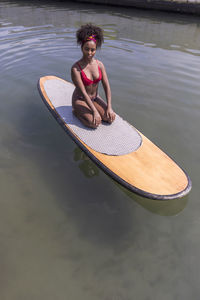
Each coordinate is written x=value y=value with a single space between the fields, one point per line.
x=163 y=208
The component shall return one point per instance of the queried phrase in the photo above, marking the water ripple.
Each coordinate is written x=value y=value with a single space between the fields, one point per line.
x=19 y=44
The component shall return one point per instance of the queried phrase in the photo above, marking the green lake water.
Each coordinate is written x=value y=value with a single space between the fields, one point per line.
x=67 y=230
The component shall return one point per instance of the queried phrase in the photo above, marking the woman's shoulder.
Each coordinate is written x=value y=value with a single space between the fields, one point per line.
x=76 y=66
x=101 y=65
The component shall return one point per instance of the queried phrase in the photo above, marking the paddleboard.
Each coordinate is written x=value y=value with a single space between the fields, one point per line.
x=119 y=149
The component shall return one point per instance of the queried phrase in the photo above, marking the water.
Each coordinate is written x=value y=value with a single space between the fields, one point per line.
x=68 y=231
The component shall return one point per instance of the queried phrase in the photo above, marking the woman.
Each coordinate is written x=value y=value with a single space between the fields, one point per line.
x=86 y=74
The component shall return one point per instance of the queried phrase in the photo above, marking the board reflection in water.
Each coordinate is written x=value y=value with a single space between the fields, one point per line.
x=87 y=167
x=163 y=208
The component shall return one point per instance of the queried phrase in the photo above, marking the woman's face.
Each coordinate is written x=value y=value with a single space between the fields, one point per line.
x=89 y=50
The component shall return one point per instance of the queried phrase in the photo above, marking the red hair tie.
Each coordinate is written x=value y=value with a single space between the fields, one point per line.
x=90 y=38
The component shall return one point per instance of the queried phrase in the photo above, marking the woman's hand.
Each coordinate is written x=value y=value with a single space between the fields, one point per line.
x=96 y=118
x=110 y=114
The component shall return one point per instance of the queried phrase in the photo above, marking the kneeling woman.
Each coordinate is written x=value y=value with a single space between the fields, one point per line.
x=86 y=74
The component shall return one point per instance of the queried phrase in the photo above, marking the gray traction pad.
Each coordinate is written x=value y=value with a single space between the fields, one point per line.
x=118 y=138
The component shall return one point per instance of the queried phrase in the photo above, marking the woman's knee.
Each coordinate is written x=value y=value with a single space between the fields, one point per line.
x=86 y=119
x=94 y=126
x=107 y=119
x=91 y=122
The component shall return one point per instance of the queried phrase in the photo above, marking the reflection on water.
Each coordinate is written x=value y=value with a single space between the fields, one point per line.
x=163 y=208
x=138 y=27
x=87 y=167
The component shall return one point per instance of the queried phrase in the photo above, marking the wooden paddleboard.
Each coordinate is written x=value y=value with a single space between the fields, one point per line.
x=147 y=170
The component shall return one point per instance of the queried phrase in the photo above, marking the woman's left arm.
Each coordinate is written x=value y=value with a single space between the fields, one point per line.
x=106 y=84
x=107 y=90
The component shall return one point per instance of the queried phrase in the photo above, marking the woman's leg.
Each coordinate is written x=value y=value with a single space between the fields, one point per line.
x=83 y=112
x=101 y=106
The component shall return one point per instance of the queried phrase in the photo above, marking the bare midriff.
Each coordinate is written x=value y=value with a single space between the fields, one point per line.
x=91 y=91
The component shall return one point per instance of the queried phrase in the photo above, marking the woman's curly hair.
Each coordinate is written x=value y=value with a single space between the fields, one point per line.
x=87 y=30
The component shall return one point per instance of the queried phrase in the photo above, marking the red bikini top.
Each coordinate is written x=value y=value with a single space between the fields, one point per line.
x=87 y=81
